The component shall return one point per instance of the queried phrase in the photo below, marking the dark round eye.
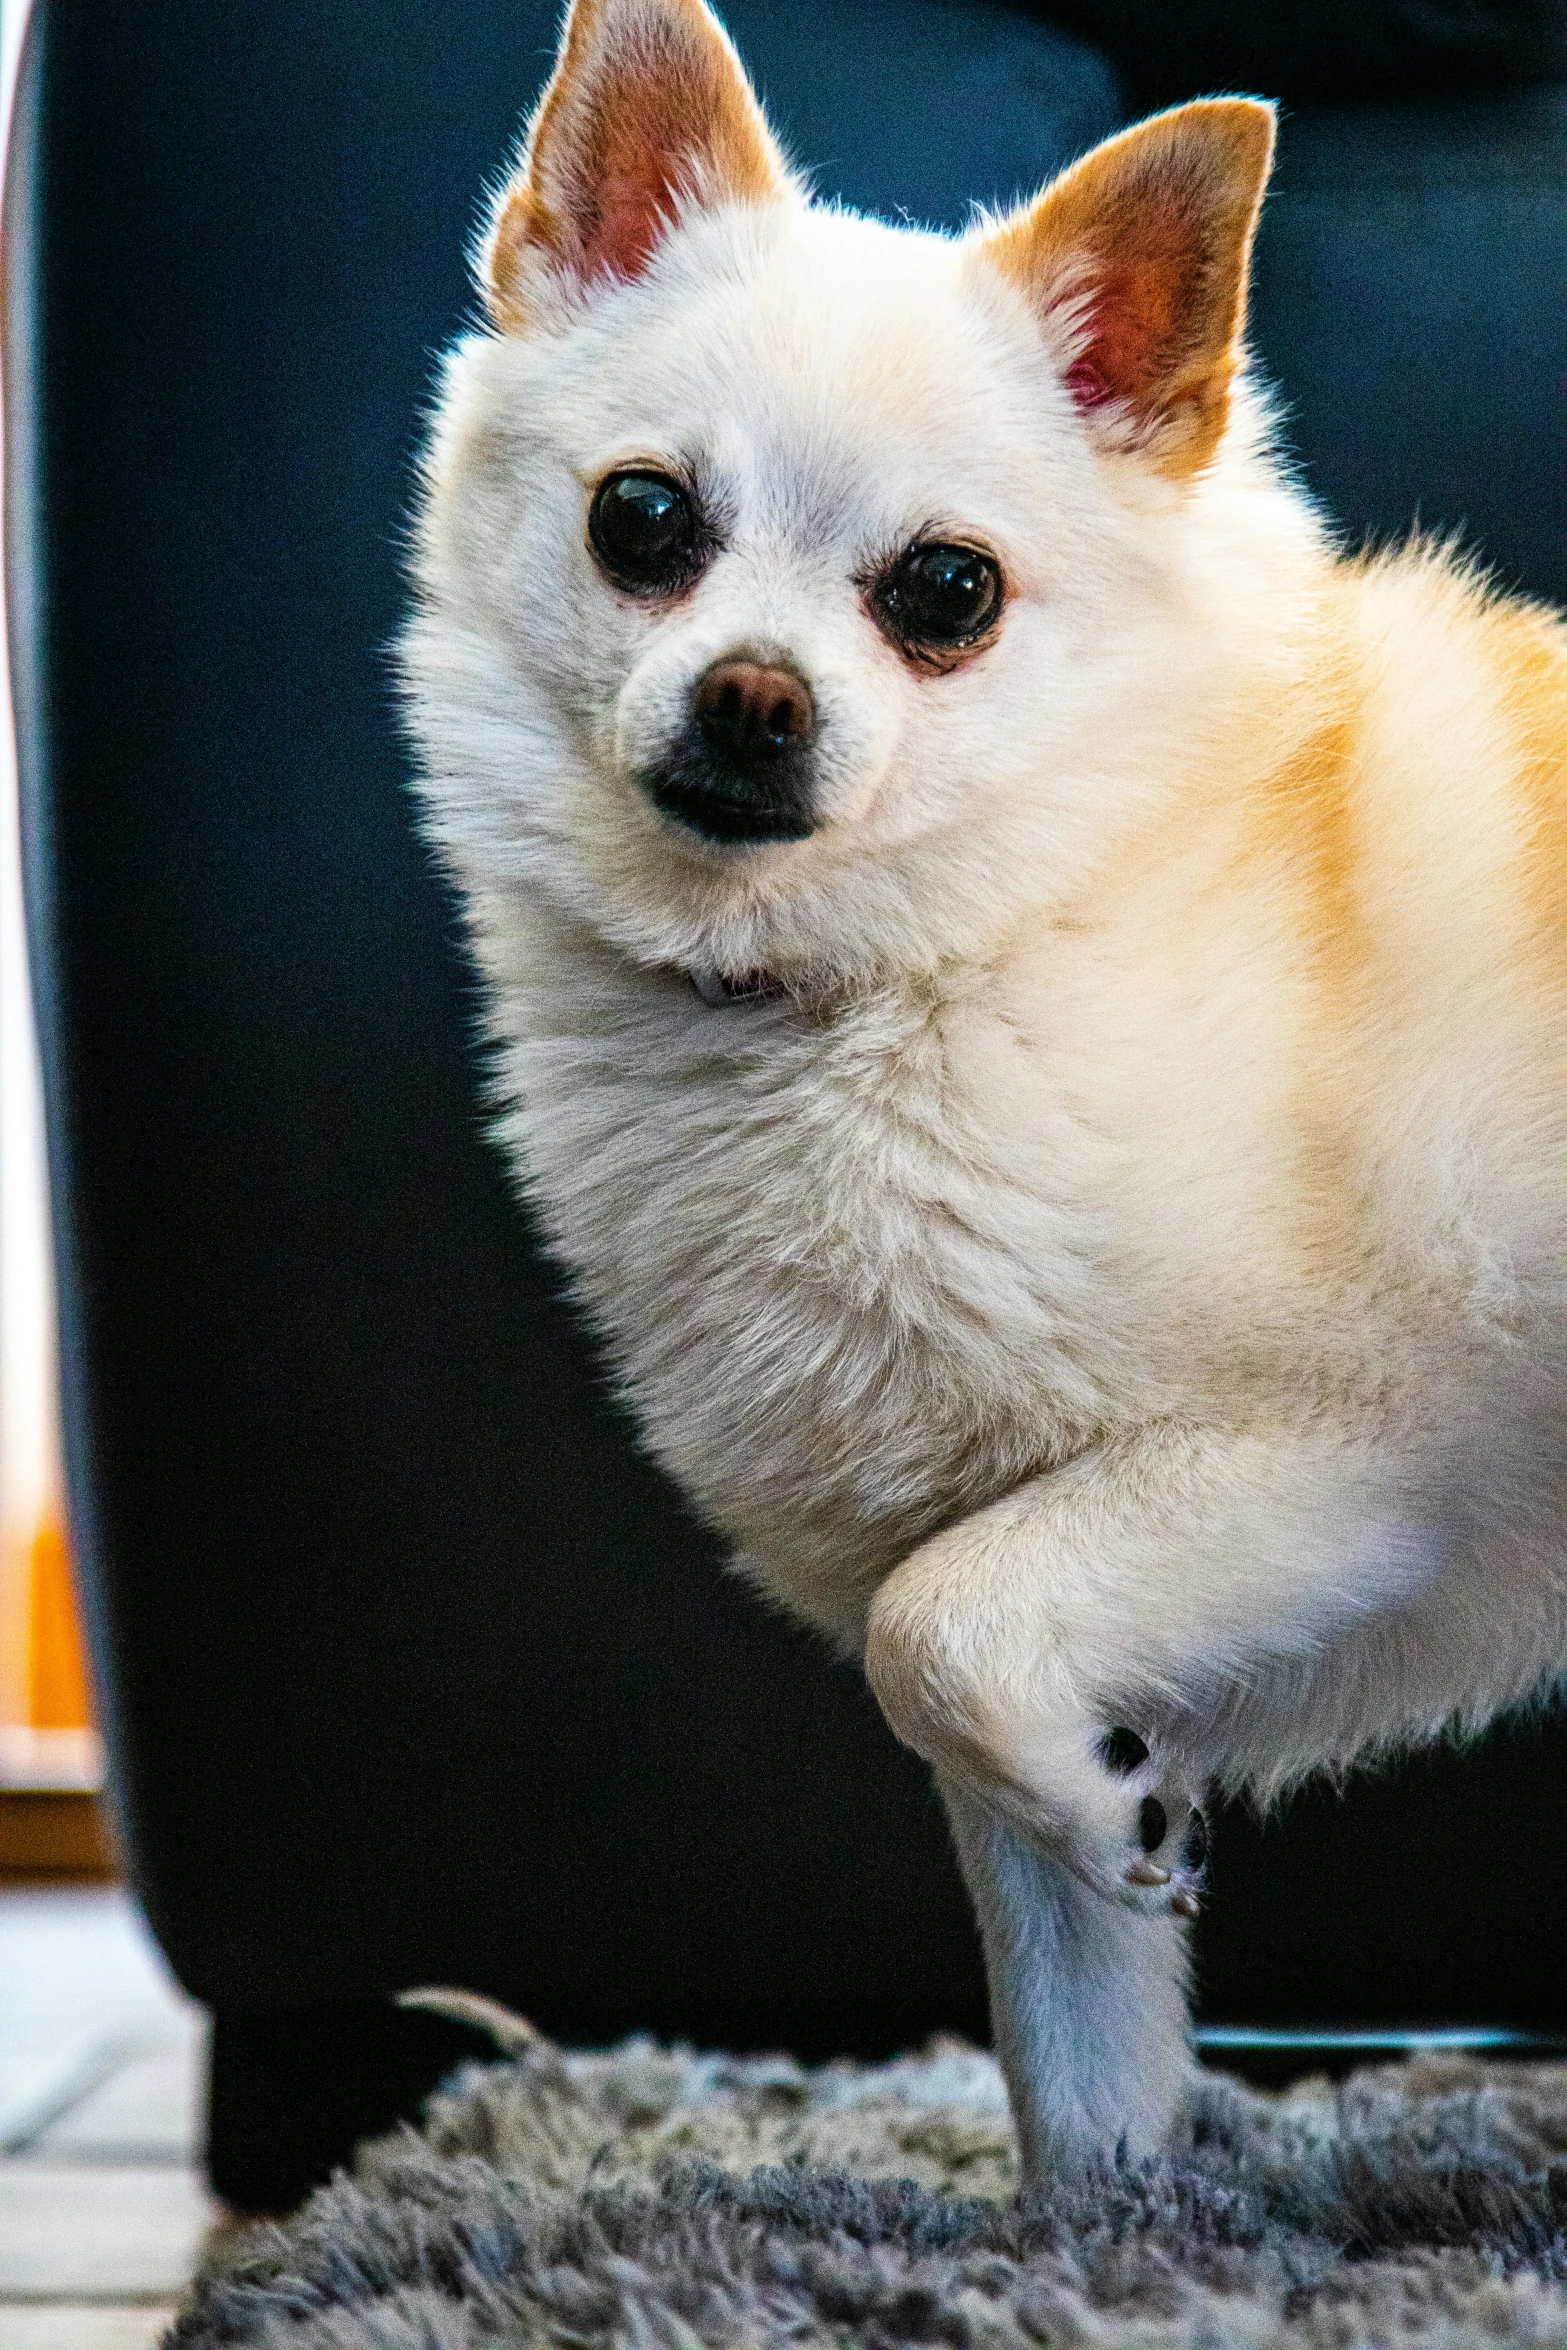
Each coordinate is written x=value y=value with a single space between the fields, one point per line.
x=937 y=595
x=643 y=529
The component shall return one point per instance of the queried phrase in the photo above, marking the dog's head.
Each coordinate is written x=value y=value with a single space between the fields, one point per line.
x=798 y=589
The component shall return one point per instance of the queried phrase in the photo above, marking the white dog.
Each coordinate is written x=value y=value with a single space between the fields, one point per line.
x=1028 y=991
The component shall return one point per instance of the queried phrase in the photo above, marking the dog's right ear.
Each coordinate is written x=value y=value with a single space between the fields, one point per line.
x=648 y=112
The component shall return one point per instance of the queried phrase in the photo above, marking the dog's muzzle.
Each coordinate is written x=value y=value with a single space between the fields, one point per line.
x=743 y=769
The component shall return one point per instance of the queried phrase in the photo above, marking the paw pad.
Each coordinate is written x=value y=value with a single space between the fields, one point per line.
x=1153 y=1823
x=1123 y=1752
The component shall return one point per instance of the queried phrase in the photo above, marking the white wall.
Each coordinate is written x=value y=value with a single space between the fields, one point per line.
x=29 y=1428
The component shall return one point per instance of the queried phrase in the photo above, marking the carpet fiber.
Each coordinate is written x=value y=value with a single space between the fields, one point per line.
x=657 y=2200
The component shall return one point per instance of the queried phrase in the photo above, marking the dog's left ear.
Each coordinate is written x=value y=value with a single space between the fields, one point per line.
x=1136 y=262
x=648 y=112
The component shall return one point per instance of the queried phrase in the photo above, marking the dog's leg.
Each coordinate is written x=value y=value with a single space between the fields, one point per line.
x=1063 y=1653
x=1087 y=2000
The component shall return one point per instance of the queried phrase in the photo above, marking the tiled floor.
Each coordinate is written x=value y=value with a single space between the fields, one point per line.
x=102 y=2209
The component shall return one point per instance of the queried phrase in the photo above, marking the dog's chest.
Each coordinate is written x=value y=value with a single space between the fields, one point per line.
x=852 y=1290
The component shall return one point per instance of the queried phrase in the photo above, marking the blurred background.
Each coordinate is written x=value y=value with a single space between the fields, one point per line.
x=48 y=1747
x=403 y=1665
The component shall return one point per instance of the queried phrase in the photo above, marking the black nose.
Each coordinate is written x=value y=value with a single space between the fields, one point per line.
x=752 y=714
x=743 y=769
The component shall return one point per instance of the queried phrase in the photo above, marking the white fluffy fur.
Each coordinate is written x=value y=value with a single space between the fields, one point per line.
x=1120 y=1282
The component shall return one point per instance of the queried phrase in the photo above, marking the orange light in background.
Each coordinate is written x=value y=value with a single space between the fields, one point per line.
x=57 y=1671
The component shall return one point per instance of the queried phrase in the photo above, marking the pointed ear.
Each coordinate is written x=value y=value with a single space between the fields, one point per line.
x=648 y=108
x=1136 y=261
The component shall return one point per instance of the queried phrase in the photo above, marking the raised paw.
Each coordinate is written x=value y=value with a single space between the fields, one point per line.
x=1169 y=1842
x=1010 y=1730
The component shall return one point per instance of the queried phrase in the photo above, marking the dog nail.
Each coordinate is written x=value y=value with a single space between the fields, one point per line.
x=1194 y=1850
x=1147 y=1872
x=1184 y=1904
x=1152 y=1823
x=1123 y=1752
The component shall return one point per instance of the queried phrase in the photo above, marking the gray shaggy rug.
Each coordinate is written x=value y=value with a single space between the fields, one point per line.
x=651 y=2199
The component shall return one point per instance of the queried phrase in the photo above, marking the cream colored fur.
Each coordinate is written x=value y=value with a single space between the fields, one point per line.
x=1120 y=1282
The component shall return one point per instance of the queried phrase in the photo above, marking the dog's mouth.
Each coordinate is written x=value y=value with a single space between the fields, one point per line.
x=731 y=811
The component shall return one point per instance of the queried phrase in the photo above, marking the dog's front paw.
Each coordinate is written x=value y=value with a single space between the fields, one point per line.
x=1126 y=1821
x=1169 y=1829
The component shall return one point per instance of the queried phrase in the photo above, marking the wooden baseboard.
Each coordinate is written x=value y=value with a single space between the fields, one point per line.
x=50 y=1837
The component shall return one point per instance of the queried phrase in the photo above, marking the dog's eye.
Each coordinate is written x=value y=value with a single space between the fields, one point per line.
x=643 y=529
x=939 y=596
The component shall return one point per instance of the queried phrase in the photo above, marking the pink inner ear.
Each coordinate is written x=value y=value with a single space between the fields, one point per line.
x=630 y=218
x=637 y=154
x=1086 y=385
x=1142 y=300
